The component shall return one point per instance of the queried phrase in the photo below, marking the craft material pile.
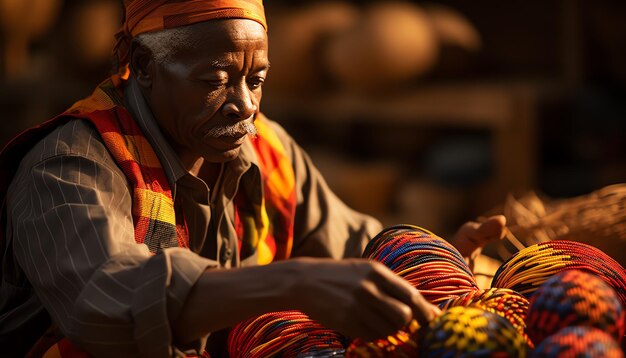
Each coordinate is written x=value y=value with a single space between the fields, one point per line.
x=597 y=219
x=557 y=298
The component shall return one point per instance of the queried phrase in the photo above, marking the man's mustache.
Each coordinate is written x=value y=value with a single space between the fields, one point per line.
x=233 y=130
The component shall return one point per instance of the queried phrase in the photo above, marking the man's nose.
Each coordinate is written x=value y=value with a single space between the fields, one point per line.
x=240 y=104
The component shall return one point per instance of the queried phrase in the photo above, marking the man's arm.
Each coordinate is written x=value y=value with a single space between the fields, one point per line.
x=353 y=296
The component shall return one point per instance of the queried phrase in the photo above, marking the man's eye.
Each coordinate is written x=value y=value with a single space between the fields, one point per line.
x=256 y=82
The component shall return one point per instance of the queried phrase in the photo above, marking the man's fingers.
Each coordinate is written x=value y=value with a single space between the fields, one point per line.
x=475 y=235
x=393 y=310
x=491 y=228
x=423 y=311
x=432 y=312
x=394 y=285
x=399 y=288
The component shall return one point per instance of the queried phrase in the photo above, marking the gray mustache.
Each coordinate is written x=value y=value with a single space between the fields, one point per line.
x=233 y=130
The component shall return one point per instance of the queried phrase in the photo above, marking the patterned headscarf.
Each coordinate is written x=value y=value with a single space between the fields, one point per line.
x=143 y=16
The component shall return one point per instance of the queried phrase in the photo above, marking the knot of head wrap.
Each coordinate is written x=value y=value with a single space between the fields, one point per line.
x=143 y=16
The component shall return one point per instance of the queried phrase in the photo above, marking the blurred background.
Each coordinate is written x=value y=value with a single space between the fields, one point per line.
x=420 y=112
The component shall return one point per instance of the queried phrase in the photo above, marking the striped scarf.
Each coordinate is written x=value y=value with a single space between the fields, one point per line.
x=155 y=222
x=265 y=229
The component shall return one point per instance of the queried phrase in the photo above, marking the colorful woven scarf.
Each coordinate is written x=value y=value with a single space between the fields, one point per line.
x=267 y=229
x=153 y=208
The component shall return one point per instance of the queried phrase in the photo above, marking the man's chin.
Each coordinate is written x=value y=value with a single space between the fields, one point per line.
x=222 y=156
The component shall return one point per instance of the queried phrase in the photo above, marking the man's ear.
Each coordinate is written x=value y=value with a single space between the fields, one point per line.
x=142 y=64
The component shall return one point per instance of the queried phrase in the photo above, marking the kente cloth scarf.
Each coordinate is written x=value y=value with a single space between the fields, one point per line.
x=153 y=207
x=143 y=16
x=265 y=229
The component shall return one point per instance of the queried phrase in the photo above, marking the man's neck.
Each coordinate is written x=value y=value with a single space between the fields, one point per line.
x=210 y=172
x=207 y=171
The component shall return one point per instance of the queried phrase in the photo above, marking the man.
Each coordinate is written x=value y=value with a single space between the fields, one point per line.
x=140 y=221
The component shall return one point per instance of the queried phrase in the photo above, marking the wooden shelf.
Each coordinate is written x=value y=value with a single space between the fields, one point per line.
x=506 y=110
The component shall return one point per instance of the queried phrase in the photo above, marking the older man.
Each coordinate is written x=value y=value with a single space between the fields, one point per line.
x=139 y=222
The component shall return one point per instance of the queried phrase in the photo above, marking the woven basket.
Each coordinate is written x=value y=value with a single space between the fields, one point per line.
x=597 y=219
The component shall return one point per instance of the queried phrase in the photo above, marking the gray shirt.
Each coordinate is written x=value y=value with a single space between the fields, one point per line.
x=72 y=252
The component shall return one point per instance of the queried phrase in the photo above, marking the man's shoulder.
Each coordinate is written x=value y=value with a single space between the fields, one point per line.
x=77 y=137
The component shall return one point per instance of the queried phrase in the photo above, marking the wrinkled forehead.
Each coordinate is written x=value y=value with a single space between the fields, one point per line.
x=222 y=41
x=227 y=35
x=228 y=30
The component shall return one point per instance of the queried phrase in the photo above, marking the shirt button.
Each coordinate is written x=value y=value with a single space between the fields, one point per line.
x=228 y=254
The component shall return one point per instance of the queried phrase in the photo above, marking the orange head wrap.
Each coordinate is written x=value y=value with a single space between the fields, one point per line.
x=152 y=15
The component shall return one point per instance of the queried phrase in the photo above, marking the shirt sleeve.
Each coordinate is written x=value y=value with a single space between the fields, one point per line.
x=324 y=225
x=72 y=234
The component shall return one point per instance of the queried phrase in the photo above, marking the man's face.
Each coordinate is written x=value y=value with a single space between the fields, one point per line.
x=206 y=96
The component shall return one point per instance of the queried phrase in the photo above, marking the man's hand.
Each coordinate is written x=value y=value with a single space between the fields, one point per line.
x=473 y=236
x=359 y=298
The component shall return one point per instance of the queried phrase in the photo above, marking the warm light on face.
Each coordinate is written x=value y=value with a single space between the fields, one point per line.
x=206 y=95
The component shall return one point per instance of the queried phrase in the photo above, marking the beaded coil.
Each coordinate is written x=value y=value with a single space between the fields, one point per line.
x=471 y=332
x=426 y=261
x=532 y=266
x=502 y=301
x=429 y=264
x=402 y=344
x=285 y=334
x=578 y=341
x=574 y=298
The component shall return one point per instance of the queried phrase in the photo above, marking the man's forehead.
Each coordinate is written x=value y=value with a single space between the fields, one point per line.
x=228 y=30
x=225 y=43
